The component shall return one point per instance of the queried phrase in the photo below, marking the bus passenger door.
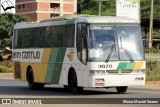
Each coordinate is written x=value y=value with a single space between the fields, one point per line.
x=81 y=44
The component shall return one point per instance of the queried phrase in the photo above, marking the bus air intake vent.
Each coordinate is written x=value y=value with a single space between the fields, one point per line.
x=116 y=71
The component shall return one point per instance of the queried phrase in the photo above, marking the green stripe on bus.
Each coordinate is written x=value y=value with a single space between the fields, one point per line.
x=58 y=67
x=130 y=65
x=122 y=66
x=125 y=65
x=55 y=65
x=51 y=66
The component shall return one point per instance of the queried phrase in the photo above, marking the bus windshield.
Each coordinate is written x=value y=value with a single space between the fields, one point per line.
x=115 y=42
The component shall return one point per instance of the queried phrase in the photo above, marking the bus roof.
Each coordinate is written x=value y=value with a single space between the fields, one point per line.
x=73 y=19
x=106 y=19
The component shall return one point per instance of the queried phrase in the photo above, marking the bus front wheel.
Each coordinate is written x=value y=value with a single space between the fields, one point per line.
x=73 y=83
x=121 y=89
x=33 y=85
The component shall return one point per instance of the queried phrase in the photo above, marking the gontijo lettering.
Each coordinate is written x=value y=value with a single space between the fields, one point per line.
x=27 y=55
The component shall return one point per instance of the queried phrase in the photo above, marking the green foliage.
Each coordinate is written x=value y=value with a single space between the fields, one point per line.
x=153 y=50
x=92 y=6
x=6 y=67
x=109 y=7
x=7 y=22
x=6 y=64
x=5 y=70
x=152 y=70
x=145 y=8
x=156 y=31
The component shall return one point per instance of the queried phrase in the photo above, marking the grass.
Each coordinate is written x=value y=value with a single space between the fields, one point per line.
x=152 y=71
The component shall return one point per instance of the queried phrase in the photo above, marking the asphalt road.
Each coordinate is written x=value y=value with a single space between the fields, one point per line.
x=19 y=89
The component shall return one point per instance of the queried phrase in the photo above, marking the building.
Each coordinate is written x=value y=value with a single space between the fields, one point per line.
x=38 y=10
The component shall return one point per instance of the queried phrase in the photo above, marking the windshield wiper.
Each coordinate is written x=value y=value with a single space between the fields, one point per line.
x=110 y=53
x=126 y=51
x=128 y=55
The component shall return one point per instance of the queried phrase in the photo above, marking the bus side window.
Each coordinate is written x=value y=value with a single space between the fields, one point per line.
x=33 y=37
x=57 y=36
x=26 y=38
x=69 y=36
x=42 y=34
x=15 y=38
x=48 y=37
x=59 y=40
x=20 y=39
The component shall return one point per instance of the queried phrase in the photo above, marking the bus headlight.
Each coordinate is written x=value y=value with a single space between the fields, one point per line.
x=97 y=72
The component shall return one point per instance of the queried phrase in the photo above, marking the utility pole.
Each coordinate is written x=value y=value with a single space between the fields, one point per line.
x=151 y=25
x=100 y=7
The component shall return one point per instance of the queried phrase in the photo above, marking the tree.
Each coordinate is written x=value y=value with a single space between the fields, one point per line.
x=91 y=7
x=7 y=22
x=81 y=5
x=145 y=8
x=109 y=7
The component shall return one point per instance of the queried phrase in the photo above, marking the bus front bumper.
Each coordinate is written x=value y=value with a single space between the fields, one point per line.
x=116 y=80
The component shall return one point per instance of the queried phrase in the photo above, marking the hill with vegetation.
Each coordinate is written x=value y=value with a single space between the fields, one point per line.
x=109 y=7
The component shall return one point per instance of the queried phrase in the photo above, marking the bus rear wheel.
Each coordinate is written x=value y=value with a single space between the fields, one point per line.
x=33 y=85
x=121 y=89
x=73 y=83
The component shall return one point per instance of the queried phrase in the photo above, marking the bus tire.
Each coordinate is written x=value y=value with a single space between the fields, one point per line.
x=122 y=89
x=73 y=83
x=40 y=86
x=33 y=85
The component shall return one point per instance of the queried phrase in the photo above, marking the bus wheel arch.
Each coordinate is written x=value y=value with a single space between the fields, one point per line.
x=30 y=78
x=73 y=81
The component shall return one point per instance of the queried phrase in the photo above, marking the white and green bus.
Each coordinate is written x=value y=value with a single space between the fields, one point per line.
x=79 y=52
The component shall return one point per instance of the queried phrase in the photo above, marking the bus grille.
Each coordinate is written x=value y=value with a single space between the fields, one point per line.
x=122 y=71
x=17 y=70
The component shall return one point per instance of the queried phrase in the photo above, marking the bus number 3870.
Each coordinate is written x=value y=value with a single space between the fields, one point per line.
x=105 y=66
